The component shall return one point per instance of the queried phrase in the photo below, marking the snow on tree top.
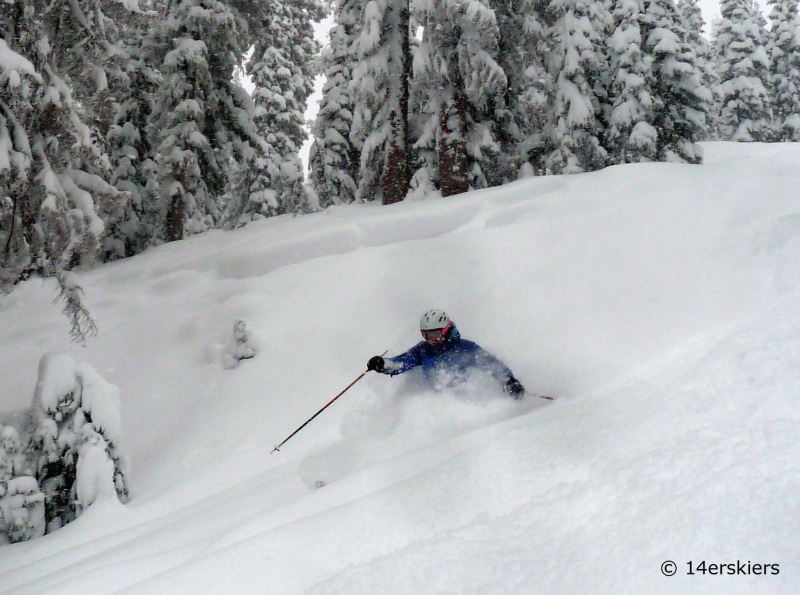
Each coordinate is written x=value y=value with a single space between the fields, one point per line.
x=101 y=399
x=8 y=436
x=56 y=381
x=24 y=485
x=65 y=384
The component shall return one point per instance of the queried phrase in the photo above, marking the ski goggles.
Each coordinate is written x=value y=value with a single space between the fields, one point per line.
x=436 y=334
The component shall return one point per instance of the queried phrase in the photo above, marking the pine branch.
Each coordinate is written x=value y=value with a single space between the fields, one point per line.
x=82 y=324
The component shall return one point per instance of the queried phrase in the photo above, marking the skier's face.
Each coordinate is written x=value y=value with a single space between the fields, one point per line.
x=435 y=336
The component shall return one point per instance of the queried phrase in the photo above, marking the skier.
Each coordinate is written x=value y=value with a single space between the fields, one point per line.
x=443 y=350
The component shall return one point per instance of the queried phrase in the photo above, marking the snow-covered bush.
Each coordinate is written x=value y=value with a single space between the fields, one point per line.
x=239 y=347
x=76 y=438
x=21 y=501
x=22 y=514
x=10 y=453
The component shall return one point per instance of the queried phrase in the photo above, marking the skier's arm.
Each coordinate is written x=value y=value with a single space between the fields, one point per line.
x=398 y=364
x=403 y=362
x=486 y=361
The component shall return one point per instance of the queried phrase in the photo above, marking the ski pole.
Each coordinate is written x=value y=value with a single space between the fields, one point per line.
x=310 y=419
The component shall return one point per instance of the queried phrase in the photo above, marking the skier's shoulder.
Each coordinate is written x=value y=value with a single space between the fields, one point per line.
x=467 y=345
x=420 y=347
x=415 y=352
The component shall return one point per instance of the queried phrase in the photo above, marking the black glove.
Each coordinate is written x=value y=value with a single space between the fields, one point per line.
x=514 y=388
x=375 y=364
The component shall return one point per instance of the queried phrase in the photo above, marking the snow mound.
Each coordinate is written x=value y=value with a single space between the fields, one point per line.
x=659 y=302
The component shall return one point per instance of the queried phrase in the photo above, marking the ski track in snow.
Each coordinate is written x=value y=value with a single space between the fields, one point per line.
x=660 y=302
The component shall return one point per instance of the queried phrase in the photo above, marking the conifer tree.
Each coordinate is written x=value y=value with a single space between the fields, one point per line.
x=11 y=464
x=692 y=19
x=580 y=84
x=631 y=137
x=50 y=192
x=200 y=113
x=380 y=86
x=520 y=114
x=84 y=48
x=22 y=510
x=76 y=438
x=130 y=139
x=334 y=158
x=21 y=500
x=783 y=48
x=457 y=60
x=680 y=101
x=743 y=65
x=397 y=174
x=282 y=70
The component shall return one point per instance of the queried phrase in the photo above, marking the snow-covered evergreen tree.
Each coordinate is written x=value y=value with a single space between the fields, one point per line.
x=630 y=136
x=334 y=158
x=397 y=172
x=521 y=113
x=50 y=193
x=680 y=100
x=783 y=48
x=88 y=49
x=83 y=38
x=76 y=438
x=743 y=64
x=577 y=38
x=282 y=70
x=457 y=60
x=69 y=456
x=379 y=82
x=659 y=100
x=130 y=139
x=200 y=112
x=692 y=18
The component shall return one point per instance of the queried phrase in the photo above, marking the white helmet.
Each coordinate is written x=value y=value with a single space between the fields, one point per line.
x=433 y=319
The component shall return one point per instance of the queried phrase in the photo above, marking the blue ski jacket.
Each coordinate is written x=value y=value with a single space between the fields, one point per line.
x=456 y=356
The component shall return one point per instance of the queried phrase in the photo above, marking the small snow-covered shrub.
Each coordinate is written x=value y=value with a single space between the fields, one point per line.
x=76 y=438
x=21 y=509
x=239 y=347
x=21 y=501
x=10 y=453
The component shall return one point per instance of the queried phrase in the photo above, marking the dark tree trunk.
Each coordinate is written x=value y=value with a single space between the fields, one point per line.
x=175 y=219
x=453 y=142
x=397 y=175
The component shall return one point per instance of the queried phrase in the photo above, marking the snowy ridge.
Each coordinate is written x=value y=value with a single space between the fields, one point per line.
x=660 y=302
x=339 y=230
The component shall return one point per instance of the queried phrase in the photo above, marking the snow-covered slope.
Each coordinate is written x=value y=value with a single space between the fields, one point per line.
x=660 y=302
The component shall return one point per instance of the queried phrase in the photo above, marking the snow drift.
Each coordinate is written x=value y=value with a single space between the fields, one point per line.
x=660 y=302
